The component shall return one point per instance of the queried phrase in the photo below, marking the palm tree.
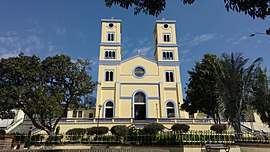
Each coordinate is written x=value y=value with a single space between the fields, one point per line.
x=234 y=82
x=261 y=96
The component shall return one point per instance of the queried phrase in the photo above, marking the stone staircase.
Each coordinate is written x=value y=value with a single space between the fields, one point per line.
x=22 y=128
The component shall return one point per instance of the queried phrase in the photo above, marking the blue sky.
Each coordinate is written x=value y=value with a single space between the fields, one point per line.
x=72 y=27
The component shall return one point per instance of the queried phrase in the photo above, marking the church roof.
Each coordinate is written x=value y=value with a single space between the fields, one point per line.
x=137 y=56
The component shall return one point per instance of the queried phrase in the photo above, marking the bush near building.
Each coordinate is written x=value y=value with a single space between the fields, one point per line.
x=119 y=130
x=219 y=128
x=180 y=127
x=153 y=128
x=97 y=130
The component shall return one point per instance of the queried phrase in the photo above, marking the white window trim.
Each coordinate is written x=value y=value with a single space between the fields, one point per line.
x=175 y=109
x=104 y=108
x=108 y=36
x=108 y=52
x=168 y=51
x=166 y=34
x=133 y=103
x=105 y=75
x=173 y=76
x=133 y=72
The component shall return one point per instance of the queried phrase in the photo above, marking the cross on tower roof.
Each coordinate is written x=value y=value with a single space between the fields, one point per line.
x=139 y=51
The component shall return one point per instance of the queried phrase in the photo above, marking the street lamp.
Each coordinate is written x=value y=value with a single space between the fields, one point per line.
x=99 y=108
x=267 y=32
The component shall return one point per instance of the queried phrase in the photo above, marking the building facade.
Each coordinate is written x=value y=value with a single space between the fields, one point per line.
x=138 y=87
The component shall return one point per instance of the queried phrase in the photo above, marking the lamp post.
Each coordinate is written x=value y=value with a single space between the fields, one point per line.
x=99 y=108
x=267 y=32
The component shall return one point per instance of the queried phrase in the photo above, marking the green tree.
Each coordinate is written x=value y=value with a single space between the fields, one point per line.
x=261 y=95
x=202 y=93
x=254 y=8
x=234 y=81
x=43 y=90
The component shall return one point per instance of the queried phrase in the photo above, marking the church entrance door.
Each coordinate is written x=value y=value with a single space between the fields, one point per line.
x=140 y=106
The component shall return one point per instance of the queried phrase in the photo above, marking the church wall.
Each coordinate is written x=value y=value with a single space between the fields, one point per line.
x=128 y=90
x=125 y=110
x=153 y=106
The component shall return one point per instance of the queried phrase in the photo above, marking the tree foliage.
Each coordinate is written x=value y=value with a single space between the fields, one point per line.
x=43 y=90
x=153 y=128
x=234 y=80
x=225 y=86
x=261 y=96
x=76 y=132
x=119 y=130
x=202 y=93
x=254 y=8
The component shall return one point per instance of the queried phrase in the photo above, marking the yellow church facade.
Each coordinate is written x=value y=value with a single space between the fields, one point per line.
x=139 y=88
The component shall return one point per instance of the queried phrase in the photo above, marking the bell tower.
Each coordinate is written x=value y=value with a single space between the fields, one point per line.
x=110 y=46
x=166 y=48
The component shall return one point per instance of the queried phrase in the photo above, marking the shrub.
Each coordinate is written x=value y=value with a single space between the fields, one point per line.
x=218 y=128
x=97 y=130
x=54 y=139
x=57 y=130
x=38 y=137
x=2 y=132
x=180 y=127
x=153 y=128
x=76 y=131
x=119 y=130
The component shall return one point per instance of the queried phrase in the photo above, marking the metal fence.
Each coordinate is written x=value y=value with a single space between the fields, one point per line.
x=162 y=138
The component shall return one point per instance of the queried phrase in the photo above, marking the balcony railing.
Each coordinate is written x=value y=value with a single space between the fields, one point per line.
x=131 y=120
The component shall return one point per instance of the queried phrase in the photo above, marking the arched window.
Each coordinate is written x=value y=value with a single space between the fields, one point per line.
x=140 y=97
x=164 y=55
x=167 y=55
x=109 y=109
x=171 y=56
x=108 y=75
x=106 y=54
x=110 y=54
x=111 y=76
x=170 y=110
x=110 y=36
x=169 y=77
x=166 y=38
x=113 y=55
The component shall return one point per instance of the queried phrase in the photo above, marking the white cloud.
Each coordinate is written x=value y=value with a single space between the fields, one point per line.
x=11 y=44
x=243 y=38
x=185 y=51
x=145 y=51
x=59 y=30
x=195 y=40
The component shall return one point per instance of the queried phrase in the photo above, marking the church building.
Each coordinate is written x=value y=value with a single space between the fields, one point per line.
x=138 y=87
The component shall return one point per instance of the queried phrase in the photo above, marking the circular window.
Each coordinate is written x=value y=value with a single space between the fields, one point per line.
x=165 y=25
x=111 y=25
x=139 y=72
